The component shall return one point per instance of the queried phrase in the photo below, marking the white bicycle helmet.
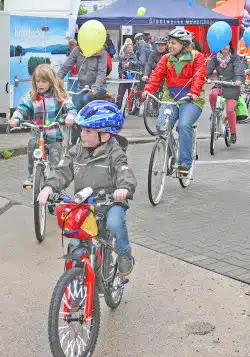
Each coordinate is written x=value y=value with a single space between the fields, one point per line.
x=181 y=35
x=139 y=36
x=161 y=40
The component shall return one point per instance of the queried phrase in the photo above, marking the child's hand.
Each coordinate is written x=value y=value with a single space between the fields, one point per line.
x=44 y=194
x=14 y=123
x=69 y=122
x=120 y=194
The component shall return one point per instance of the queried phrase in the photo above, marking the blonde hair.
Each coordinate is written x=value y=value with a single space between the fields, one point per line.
x=128 y=41
x=47 y=73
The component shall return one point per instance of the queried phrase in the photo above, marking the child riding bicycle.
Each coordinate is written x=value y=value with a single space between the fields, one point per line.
x=99 y=162
x=44 y=102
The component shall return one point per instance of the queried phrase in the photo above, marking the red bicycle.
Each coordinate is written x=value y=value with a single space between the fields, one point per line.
x=90 y=269
x=134 y=99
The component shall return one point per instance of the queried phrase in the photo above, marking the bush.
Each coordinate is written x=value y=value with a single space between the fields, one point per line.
x=35 y=61
x=82 y=10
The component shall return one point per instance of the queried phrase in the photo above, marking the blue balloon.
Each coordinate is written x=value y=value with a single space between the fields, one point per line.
x=246 y=37
x=190 y=2
x=218 y=36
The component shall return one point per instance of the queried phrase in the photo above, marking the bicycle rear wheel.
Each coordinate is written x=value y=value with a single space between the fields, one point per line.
x=39 y=211
x=227 y=136
x=213 y=136
x=150 y=115
x=69 y=333
x=185 y=181
x=157 y=171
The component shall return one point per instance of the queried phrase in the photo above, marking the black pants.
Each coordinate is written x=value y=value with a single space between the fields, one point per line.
x=121 y=92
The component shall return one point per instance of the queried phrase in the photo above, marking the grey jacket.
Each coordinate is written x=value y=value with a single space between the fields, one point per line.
x=93 y=69
x=133 y=64
x=142 y=53
x=108 y=169
x=234 y=71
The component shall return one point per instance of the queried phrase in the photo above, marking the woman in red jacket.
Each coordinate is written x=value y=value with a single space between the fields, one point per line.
x=184 y=71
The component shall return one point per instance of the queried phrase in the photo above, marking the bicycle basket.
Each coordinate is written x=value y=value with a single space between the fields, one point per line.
x=76 y=221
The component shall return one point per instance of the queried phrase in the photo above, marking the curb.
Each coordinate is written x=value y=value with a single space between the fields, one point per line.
x=6 y=206
x=132 y=140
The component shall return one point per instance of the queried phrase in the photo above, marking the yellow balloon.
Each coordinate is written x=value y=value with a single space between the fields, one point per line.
x=91 y=37
x=141 y=11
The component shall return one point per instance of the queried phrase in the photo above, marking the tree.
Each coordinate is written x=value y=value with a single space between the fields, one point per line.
x=82 y=10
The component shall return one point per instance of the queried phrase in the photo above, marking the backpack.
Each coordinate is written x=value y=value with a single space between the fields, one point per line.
x=241 y=109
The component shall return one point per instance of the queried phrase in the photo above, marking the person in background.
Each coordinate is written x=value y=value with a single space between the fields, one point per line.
x=150 y=41
x=228 y=65
x=128 y=41
x=196 y=44
x=72 y=85
x=92 y=73
x=155 y=56
x=109 y=46
x=126 y=62
x=142 y=51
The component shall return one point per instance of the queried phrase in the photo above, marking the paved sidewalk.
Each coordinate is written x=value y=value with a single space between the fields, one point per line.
x=170 y=308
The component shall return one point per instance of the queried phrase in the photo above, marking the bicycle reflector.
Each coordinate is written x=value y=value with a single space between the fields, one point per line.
x=37 y=154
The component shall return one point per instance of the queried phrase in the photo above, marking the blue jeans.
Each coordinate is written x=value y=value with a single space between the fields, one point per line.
x=86 y=97
x=188 y=114
x=116 y=224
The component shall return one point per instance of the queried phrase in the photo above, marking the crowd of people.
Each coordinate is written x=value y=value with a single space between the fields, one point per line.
x=176 y=61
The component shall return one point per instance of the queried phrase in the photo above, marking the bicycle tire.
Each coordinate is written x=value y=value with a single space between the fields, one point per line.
x=57 y=296
x=108 y=264
x=227 y=137
x=185 y=182
x=125 y=110
x=145 y=117
x=213 y=136
x=155 y=201
x=39 y=180
x=134 y=108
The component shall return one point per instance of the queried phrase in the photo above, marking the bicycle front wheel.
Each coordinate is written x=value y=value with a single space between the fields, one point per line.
x=213 y=136
x=39 y=211
x=150 y=115
x=69 y=333
x=157 y=171
x=115 y=287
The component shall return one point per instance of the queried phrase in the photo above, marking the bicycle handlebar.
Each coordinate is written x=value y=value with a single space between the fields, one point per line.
x=27 y=124
x=85 y=89
x=226 y=83
x=107 y=199
x=183 y=99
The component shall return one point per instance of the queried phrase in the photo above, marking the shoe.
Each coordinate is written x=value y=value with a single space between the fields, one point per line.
x=28 y=183
x=125 y=263
x=233 y=138
x=183 y=171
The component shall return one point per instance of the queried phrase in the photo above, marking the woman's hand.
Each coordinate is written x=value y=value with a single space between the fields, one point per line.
x=145 y=93
x=14 y=123
x=194 y=97
x=120 y=194
x=238 y=83
x=43 y=195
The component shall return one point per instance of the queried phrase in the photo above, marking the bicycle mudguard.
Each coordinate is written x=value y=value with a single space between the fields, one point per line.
x=90 y=284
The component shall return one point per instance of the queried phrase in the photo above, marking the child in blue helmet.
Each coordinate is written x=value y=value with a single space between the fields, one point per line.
x=99 y=162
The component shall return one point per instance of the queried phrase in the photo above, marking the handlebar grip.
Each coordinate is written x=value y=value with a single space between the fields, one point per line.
x=53 y=197
x=128 y=197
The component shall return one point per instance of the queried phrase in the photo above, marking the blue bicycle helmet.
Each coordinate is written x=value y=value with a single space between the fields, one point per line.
x=101 y=115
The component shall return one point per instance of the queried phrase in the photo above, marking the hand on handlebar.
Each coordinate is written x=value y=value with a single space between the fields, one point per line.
x=69 y=122
x=145 y=93
x=120 y=194
x=144 y=78
x=238 y=83
x=14 y=123
x=194 y=97
x=43 y=195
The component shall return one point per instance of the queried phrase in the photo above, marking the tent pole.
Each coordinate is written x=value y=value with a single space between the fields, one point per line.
x=121 y=37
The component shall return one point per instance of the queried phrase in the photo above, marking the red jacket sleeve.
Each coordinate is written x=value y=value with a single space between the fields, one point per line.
x=157 y=76
x=199 y=73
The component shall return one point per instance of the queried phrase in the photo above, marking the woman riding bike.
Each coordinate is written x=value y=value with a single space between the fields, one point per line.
x=228 y=65
x=184 y=71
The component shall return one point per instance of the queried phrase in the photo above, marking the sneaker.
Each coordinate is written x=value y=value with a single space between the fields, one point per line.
x=28 y=183
x=125 y=263
x=233 y=138
x=183 y=171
